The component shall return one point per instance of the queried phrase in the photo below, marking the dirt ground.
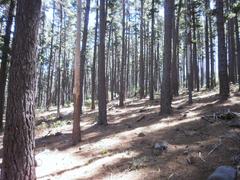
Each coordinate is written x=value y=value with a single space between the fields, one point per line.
x=197 y=143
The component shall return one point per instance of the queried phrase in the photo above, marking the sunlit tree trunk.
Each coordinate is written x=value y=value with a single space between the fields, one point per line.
x=76 y=133
x=50 y=63
x=94 y=60
x=84 y=50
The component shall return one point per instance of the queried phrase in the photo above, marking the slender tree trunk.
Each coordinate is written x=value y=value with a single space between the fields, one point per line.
x=238 y=48
x=207 y=44
x=76 y=132
x=4 y=63
x=147 y=50
x=166 y=82
x=64 y=73
x=84 y=50
x=102 y=102
x=213 y=80
x=151 y=81
x=128 y=60
x=49 y=90
x=222 y=52
x=142 y=64
x=18 y=141
x=231 y=46
x=195 y=63
x=136 y=62
x=108 y=58
x=122 y=78
x=175 y=79
x=41 y=61
x=113 y=69
x=59 y=65
x=189 y=52
x=94 y=60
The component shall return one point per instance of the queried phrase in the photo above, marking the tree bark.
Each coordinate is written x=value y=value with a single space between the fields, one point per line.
x=84 y=50
x=166 y=81
x=231 y=46
x=18 y=141
x=94 y=60
x=175 y=79
x=238 y=48
x=207 y=44
x=122 y=78
x=195 y=68
x=222 y=52
x=59 y=65
x=142 y=64
x=213 y=79
x=189 y=52
x=102 y=102
x=76 y=132
x=49 y=86
x=151 y=81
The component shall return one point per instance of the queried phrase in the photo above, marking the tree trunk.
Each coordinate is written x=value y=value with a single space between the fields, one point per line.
x=59 y=65
x=189 y=52
x=151 y=81
x=102 y=103
x=94 y=60
x=142 y=64
x=207 y=44
x=231 y=46
x=238 y=48
x=195 y=69
x=4 y=63
x=76 y=132
x=18 y=141
x=166 y=82
x=175 y=79
x=49 y=87
x=222 y=52
x=64 y=73
x=84 y=50
x=122 y=78
x=213 y=80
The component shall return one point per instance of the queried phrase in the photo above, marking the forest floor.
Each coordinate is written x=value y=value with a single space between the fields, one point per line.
x=197 y=141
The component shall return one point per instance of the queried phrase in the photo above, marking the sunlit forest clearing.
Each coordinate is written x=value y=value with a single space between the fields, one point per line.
x=125 y=148
x=130 y=89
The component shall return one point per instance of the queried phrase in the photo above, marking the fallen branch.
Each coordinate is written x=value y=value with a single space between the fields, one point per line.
x=216 y=146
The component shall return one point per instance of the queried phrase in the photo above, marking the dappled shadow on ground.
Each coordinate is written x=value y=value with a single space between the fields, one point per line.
x=124 y=148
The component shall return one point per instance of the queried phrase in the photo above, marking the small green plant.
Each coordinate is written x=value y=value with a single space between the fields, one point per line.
x=104 y=152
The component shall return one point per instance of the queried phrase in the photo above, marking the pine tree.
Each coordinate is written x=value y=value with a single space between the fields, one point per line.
x=18 y=141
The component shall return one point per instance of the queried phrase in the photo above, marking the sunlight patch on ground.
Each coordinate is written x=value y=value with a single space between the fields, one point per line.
x=102 y=165
x=205 y=95
x=106 y=143
x=163 y=125
x=52 y=110
x=52 y=161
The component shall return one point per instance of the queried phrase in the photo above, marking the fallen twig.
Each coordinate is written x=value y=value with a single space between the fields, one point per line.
x=200 y=156
x=140 y=118
x=215 y=147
